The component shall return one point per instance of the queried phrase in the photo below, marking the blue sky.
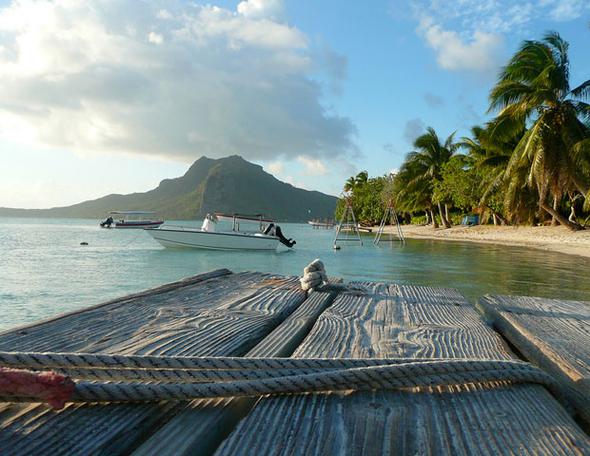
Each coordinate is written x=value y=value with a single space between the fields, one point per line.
x=113 y=96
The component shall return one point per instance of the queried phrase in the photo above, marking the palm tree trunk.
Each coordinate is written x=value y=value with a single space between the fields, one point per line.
x=434 y=222
x=554 y=221
x=444 y=221
x=447 y=212
x=561 y=219
x=495 y=219
x=503 y=221
x=572 y=217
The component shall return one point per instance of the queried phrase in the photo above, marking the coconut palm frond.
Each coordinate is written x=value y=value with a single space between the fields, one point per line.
x=582 y=91
x=533 y=88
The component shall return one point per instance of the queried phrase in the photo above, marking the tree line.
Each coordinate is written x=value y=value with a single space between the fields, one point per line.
x=529 y=164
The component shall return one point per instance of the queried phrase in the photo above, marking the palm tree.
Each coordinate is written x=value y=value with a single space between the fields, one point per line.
x=361 y=178
x=489 y=157
x=412 y=192
x=354 y=182
x=349 y=184
x=426 y=161
x=533 y=89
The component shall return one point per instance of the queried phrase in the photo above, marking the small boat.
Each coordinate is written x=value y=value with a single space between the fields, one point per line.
x=130 y=220
x=267 y=236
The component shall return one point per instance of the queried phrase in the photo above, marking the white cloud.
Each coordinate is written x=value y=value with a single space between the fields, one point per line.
x=313 y=166
x=257 y=9
x=164 y=14
x=87 y=76
x=275 y=168
x=155 y=38
x=497 y=16
x=468 y=34
x=480 y=53
x=296 y=183
x=565 y=10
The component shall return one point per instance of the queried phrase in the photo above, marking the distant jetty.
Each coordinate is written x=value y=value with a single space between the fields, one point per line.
x=326 y=224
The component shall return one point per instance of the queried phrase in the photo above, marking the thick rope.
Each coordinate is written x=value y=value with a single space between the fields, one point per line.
x=400 y=376
x=99 y=360
x=314 y=275
x=228 y=377
x=315 y=278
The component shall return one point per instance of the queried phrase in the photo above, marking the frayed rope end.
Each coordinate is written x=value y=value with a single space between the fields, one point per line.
x=50 y=387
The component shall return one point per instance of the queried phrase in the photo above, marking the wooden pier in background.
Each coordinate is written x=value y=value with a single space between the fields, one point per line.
x=265 y=315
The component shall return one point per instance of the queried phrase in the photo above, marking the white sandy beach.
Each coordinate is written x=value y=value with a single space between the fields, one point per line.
x=551 y=238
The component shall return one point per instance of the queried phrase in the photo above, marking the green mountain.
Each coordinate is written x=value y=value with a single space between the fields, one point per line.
x=229 y=184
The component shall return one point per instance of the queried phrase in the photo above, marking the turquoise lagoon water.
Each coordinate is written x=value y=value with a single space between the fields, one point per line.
x=45 y=271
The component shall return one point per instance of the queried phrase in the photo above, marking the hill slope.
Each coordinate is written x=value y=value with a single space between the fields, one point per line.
x=229 y=184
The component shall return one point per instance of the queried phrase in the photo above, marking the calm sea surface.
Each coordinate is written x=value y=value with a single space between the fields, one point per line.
x=45 y=271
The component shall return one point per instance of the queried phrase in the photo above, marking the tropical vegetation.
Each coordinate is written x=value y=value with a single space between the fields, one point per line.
x=529 y=164
x=365 y=194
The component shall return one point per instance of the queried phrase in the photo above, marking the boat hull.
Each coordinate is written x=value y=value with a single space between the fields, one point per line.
x=140 y=225
x=137 y=225
x=197 y=239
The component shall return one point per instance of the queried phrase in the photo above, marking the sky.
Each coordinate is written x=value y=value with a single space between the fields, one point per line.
x=112 y=96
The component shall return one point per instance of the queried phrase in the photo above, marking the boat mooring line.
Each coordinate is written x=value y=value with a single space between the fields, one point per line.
x=195 y=377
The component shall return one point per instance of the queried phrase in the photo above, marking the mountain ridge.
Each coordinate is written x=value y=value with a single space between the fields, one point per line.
x=230 y=184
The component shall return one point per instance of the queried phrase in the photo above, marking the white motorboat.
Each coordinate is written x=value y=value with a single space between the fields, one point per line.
x=268 y=235
x=130 y=220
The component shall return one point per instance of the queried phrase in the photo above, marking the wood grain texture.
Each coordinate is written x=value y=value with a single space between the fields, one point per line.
x=417 y=322
x=151 y=291
x=222 y=316
x=202 y=426
x=553 y=334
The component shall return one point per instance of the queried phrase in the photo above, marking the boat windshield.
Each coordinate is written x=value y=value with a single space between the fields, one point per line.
x=131 y=215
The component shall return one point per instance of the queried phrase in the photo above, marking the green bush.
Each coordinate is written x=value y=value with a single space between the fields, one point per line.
x=367 y=201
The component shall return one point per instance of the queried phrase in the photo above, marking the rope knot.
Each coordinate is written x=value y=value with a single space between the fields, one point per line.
x=314 y=275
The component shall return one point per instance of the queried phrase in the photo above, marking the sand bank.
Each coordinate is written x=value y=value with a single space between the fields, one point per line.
x=551 y=238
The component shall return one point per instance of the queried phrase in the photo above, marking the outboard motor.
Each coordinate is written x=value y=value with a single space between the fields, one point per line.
x=107 y=223
x=275 y=230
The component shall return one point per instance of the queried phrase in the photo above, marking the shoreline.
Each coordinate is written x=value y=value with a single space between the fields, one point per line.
x=548 y=238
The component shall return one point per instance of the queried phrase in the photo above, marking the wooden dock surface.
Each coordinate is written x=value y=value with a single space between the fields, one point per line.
x=225 y=315
x=255 y=314
x=415 y=322
x=554 y=334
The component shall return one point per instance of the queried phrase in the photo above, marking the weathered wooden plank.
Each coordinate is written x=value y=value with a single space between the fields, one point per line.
x=286 y=337
x=416 y=322
x=201 y=427
x=151 y=291
x=224 y=316
x=553 y=334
